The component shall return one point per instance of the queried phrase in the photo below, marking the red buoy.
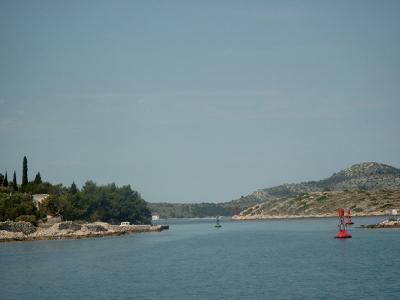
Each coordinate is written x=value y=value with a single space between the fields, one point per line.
x=342 y=234
x=349 y=221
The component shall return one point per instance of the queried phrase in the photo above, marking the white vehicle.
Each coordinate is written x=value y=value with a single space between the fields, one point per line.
x=125 y=224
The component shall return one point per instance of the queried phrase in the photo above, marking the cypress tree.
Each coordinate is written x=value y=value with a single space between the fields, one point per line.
x=38 y=178
x=73 y=189
x=5 y=182
x=14 y=183
x=25 y=172
x=1 y=179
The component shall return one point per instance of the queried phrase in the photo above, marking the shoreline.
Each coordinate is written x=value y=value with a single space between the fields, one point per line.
x=285 y=217
x=389 y=223
x=69 y=230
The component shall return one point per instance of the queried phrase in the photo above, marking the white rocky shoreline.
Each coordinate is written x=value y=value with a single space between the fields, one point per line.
x=24 y=231
x=327 y=215
x=390 y=223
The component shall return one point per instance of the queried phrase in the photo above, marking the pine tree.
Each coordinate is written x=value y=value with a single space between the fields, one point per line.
x=5 y=182
x=14 y=183
x=73 y=189
x=25 y=172
x=38 y=178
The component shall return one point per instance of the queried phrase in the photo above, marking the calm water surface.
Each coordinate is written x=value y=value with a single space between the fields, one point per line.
x=279 y=259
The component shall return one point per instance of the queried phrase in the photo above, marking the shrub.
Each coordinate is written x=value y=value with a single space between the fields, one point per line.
x=27 y=218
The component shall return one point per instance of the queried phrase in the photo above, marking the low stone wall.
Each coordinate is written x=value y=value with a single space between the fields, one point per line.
x=23 y=227
x=69 y=225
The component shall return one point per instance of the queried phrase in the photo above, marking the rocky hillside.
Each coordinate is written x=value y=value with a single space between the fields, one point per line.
x=364 y=176
x=369 y=177
x=361 y=202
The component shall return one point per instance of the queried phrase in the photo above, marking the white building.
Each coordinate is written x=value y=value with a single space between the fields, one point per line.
x=38 y=198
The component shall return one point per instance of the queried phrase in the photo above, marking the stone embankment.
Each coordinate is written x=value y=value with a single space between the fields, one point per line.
x=391 y=223
x=24 y=231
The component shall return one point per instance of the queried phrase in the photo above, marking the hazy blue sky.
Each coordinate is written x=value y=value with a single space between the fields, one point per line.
x=193 y=101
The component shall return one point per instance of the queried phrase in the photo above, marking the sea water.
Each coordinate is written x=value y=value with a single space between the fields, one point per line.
x=274 y=259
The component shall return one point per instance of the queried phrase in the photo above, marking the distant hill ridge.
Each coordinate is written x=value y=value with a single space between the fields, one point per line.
x=362 y=176
x=347 y=185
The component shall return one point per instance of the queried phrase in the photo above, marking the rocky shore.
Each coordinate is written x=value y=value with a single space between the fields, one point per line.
x=303 y=216
x=267 y=217
x=391 y=223
x=24 y=231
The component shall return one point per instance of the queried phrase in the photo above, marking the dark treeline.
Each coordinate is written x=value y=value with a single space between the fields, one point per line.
x=107 y=203
x=191 y=210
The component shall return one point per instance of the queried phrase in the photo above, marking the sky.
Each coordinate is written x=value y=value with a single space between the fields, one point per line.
x=198 y=101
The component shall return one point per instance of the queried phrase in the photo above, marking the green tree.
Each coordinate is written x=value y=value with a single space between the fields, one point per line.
x=14 y=183
x=1 y=179
x=5 y=182
x=38 y=179
x=25 y=172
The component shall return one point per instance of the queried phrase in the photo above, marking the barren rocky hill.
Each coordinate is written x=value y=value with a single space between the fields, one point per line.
x=364 y=176
x=360 y=202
